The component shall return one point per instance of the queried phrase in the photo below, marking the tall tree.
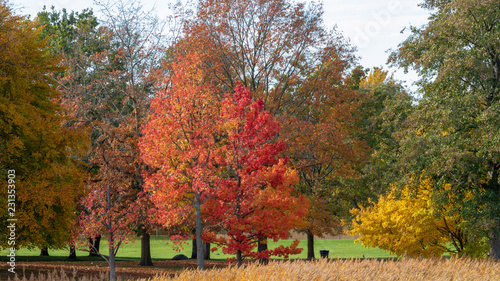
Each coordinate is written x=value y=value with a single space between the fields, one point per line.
x=107 y=87
x=73 y=37
x=280 y=50
x=180 y=143
x=324 y=147
x=258 y=187
x=35 y=147
x=138 y=36
x=453 y=135
x=270 y=47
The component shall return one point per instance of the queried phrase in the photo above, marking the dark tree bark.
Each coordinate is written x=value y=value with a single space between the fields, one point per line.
x=111 y=261
x=194 y=251
x=193 y=247
x=239 y=258
x=310 y=245
x=95 y=244
x=72 y=252
x=494 y=188
x=262 y=246
x=207 y=251
x=44 y=252
x=145 y=248
x=199 y=233
x=495 y=243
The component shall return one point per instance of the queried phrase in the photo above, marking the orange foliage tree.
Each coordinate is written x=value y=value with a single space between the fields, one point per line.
x=324 y=147
x=280 y=50
x=217 y=158
x=179 y=141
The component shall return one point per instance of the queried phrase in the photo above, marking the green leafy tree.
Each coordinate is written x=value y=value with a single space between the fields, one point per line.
x=385 y=105
x=453 y=136
x=70 y=33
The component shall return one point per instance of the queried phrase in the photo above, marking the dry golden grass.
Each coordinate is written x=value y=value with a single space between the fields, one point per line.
x=59 y=275
x=408 y=269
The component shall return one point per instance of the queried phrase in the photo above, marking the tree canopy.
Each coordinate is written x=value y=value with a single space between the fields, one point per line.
x=34 y=143
x=453 y=134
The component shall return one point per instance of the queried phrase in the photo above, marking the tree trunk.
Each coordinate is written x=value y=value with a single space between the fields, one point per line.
x=112 y=270
x=199 y=232
x=310 y=245
x=94 y=246
x=145 y=248
x=239 y=258
x=44 y=252
x=495 y=243
x=97 y=243
x=194 y=249
x=494 y=187
x=72 y=252
x=207 y=251
x=261 y=247
x=193 y=246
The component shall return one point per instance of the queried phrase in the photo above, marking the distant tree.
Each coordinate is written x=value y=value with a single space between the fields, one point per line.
x=327 y=148
x=384 y=107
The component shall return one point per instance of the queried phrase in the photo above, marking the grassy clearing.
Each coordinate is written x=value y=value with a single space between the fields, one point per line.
x=343 y=248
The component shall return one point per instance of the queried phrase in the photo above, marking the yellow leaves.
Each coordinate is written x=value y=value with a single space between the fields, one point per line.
x=404 y=225
x=420 y=131
x=42 y=153
x=376 y=76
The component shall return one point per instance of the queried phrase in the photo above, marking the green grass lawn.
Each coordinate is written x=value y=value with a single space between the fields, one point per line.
x=338 y=248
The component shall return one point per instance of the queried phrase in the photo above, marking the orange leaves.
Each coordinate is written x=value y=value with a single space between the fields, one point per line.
x=33 y=143
x=223 y=151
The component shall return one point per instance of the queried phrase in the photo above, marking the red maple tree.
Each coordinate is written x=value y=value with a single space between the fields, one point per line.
x=258 y=189
x=219 y=159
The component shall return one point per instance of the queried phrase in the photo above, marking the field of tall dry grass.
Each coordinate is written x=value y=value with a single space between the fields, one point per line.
x=407 y=269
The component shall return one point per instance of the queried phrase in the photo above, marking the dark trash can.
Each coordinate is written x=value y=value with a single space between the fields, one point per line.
x=324 y=253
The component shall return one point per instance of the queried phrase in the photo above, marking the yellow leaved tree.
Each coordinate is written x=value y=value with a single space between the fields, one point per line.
x=407 y=222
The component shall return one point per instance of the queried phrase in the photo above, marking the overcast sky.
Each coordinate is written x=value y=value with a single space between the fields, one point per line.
x=373 y=26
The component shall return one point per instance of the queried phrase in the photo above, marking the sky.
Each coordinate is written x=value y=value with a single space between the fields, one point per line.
x=373 y=26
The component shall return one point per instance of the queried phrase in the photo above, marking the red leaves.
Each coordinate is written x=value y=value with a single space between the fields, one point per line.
x=227 y=152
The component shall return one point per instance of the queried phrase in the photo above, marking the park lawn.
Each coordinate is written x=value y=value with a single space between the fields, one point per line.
x=160 y=250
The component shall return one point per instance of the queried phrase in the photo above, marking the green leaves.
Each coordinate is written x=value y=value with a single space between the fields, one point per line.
x=453 y=134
